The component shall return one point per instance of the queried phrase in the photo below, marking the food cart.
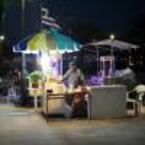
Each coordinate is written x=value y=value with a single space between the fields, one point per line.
x=55 y=94
x=49 y=47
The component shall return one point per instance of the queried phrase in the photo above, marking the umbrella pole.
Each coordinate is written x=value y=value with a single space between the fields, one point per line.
x=23 y=65
x=43 y=87
x=98 y=60
x=23 y=79
x=61 y=65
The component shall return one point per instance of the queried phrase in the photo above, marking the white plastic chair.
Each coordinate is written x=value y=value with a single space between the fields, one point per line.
x=133 y=101
x=137 y=103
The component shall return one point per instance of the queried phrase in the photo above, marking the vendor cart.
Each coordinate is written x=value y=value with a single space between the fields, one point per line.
x=74 y=104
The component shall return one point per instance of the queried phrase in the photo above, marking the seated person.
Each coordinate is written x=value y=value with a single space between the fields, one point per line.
x=75 y=78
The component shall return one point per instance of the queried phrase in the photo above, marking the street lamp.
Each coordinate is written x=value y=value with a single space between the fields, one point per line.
x=112 y=37
x=23 y=7
x=2 y=37
x=112 y=68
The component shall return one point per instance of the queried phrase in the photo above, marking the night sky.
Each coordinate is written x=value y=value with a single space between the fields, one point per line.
x=111 y=15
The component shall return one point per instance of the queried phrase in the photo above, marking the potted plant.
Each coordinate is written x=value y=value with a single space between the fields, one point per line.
x=34 y=78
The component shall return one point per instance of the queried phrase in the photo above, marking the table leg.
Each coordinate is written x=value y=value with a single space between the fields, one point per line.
x=89 y=106
x=36 y=102
x=140 y=98
x=47 y=105
x=139 y=108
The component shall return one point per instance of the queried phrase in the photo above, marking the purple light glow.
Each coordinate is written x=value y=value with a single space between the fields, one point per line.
x=56 y=66
x=96 y=80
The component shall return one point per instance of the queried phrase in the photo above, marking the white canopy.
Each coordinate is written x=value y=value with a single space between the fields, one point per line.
x=140 y=88
x=115 y=43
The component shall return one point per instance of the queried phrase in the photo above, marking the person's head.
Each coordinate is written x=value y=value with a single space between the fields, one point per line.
x=16 y=71
x=72 y=65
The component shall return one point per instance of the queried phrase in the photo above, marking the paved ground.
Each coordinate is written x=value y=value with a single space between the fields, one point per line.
x=23 y=127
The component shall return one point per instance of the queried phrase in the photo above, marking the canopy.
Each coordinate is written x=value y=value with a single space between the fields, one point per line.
x=21 y=46
x=115 y=43
x=51 y=40
x=64 y=43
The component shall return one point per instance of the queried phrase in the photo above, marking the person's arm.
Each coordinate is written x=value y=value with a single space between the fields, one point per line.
x=82 y=78
x=65 y=76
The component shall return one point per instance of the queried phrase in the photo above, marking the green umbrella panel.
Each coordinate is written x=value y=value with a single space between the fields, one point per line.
x=52 y=41
x=41 y=42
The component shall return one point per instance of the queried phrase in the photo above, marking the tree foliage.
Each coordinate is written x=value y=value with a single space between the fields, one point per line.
x=83 y=31
x=137 y=33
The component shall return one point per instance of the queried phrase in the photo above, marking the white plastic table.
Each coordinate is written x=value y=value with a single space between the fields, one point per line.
x=35 y=97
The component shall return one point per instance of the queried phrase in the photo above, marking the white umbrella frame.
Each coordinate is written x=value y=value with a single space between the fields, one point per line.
x=115 y=44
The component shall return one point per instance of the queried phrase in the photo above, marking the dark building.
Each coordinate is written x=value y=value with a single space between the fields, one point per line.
x=1 y=13
x=11 y=20
x=21 y=18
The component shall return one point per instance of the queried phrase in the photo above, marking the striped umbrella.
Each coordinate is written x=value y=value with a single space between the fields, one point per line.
x=48 y=41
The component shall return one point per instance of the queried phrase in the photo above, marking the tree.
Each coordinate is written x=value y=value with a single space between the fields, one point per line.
x=1 y=11
x=87 y=32
x=137 y=36
x=137 y=32
x=83 y=31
